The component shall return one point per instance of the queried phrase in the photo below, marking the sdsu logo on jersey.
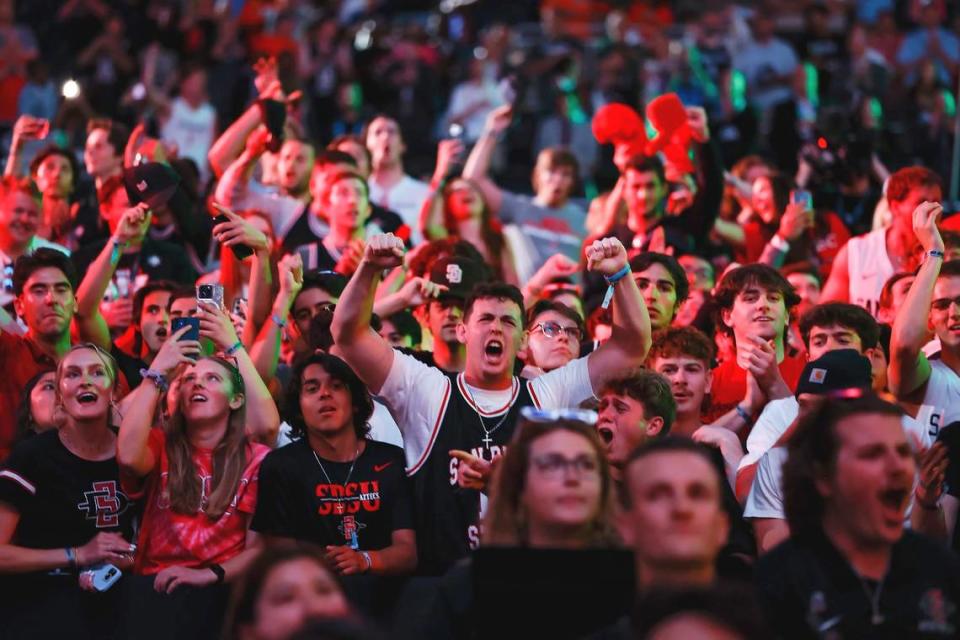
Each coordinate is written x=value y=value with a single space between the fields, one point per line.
x=104 y=504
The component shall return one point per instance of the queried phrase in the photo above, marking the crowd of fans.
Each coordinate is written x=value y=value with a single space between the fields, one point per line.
x=354 y=319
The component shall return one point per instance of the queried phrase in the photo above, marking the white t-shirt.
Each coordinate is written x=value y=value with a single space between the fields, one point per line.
x=406 y=198
x=416 y=395
x=758 y=62
x=772 y=423
x=941 y=402
x=765 y=499
x=192 y=130
x=868 y=269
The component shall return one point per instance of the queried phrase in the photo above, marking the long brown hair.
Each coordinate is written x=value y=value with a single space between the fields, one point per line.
x=229 y=459
x=490 y=229
x=505 y=521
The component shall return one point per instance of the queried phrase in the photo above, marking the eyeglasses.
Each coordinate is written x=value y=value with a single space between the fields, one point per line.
x=554 y=465
x=552 y=330
x=532 y=414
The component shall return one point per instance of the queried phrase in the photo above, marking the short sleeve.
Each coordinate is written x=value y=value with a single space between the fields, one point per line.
x=769 y=427
x=136 y=487
x=563 y=388
x=247 y=492
x=18 y=481
x=416 y=395
x=513 y=208
x=766 y=494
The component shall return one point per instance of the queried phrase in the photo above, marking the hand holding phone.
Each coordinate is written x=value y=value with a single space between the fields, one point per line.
x=241 y=251
x=193 y=333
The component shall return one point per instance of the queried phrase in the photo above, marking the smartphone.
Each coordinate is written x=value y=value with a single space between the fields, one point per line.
x=211 y=294
x=193 y=323
x=104 y=576
x=802 y=196
x=241 y=251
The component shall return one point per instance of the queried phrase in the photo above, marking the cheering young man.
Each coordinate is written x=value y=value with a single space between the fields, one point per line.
x=474 y=411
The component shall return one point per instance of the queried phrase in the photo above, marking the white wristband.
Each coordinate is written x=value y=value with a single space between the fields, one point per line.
x=779 y=243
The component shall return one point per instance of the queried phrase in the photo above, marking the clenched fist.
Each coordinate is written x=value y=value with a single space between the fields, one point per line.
x=384 y=251
x=606 y=256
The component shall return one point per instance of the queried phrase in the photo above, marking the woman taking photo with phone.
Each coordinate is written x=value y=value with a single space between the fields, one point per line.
x=62 y=510
x=198 y=478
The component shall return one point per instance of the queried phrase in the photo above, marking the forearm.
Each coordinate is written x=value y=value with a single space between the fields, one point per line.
x=12 y=170
x=478 y=162
x=8 y=324
x=390 y=304
x=261 y=290
x=733 y=420
x=16 y=559
x=355 y=307
x=431 y=218
x=631 y=332
x=910 y=331
x=237 y=566
x=133 y=451
x=232 y=188
x=230 y=144
x=262 y=417
x=265 y=351
x=706 y=204
x=398 y=558
x=773 y=255
x=729 y=232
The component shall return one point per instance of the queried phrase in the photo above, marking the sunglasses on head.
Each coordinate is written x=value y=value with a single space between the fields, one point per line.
x=543 y=416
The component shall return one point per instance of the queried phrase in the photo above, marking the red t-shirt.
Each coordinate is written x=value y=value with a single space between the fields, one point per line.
x=168 y=538
x=20 y=360
x=730 y=384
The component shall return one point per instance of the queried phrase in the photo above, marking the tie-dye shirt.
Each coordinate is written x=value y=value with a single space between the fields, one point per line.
x=168 y=538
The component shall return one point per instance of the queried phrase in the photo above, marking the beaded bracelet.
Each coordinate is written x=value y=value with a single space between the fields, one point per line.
x=156 y=377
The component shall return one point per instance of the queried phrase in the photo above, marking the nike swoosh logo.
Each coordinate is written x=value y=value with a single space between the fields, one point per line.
x=380 y=467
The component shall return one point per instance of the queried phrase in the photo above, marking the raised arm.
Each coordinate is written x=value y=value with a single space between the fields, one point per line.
x=265 y=351
x=133 y=452
x=909 y=369
x=478 y=162
x=630 y=340
x=263 y=419
x=357 y=343
x=231 y=142
x=25 y=128
x=90 y=322
x=237 y=231
x=233 y=186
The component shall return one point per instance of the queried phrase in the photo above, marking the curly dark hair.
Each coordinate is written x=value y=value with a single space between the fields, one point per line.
x=338 y=370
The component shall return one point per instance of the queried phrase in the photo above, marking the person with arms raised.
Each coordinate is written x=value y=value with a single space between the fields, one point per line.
x=474 y=413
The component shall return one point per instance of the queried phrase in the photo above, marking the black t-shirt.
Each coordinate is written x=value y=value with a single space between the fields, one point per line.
x=297 y=500
x=807 y=588
x=62 y=500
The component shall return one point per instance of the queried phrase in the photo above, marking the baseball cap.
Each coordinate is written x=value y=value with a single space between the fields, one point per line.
x=459 y=275
x=834 y=371
x=152 y=182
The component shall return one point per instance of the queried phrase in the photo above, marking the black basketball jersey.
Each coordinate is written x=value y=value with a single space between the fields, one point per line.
x=447 y=516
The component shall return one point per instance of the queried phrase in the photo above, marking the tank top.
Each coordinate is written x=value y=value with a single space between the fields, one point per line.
x=869 y=269
x=448 y=516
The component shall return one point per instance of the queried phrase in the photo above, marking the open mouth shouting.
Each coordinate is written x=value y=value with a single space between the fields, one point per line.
x=87 y=398
x=493 y=350
x=605 y=433
x=198 y=398
x=894 y=501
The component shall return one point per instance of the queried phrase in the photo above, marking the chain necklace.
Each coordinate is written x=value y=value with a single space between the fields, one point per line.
x=476 y=409
x=876 y=618
x=340 y=509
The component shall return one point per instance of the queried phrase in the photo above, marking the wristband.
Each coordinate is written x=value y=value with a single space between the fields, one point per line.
x=935 y=253
x=156 y=377
x=779 y=243
x=368 y=560
x=115 y=252
x=233 y=349
x=219 y=572
x=743 y=414
x=277 y=320
x=611 y=281
x=71 y=557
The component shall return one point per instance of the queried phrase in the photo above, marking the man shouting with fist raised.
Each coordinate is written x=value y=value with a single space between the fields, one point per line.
x=473 y=413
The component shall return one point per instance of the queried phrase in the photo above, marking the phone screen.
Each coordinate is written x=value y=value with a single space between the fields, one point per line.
x=193 y=323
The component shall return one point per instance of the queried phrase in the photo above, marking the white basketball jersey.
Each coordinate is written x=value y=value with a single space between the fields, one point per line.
x=869 y=269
